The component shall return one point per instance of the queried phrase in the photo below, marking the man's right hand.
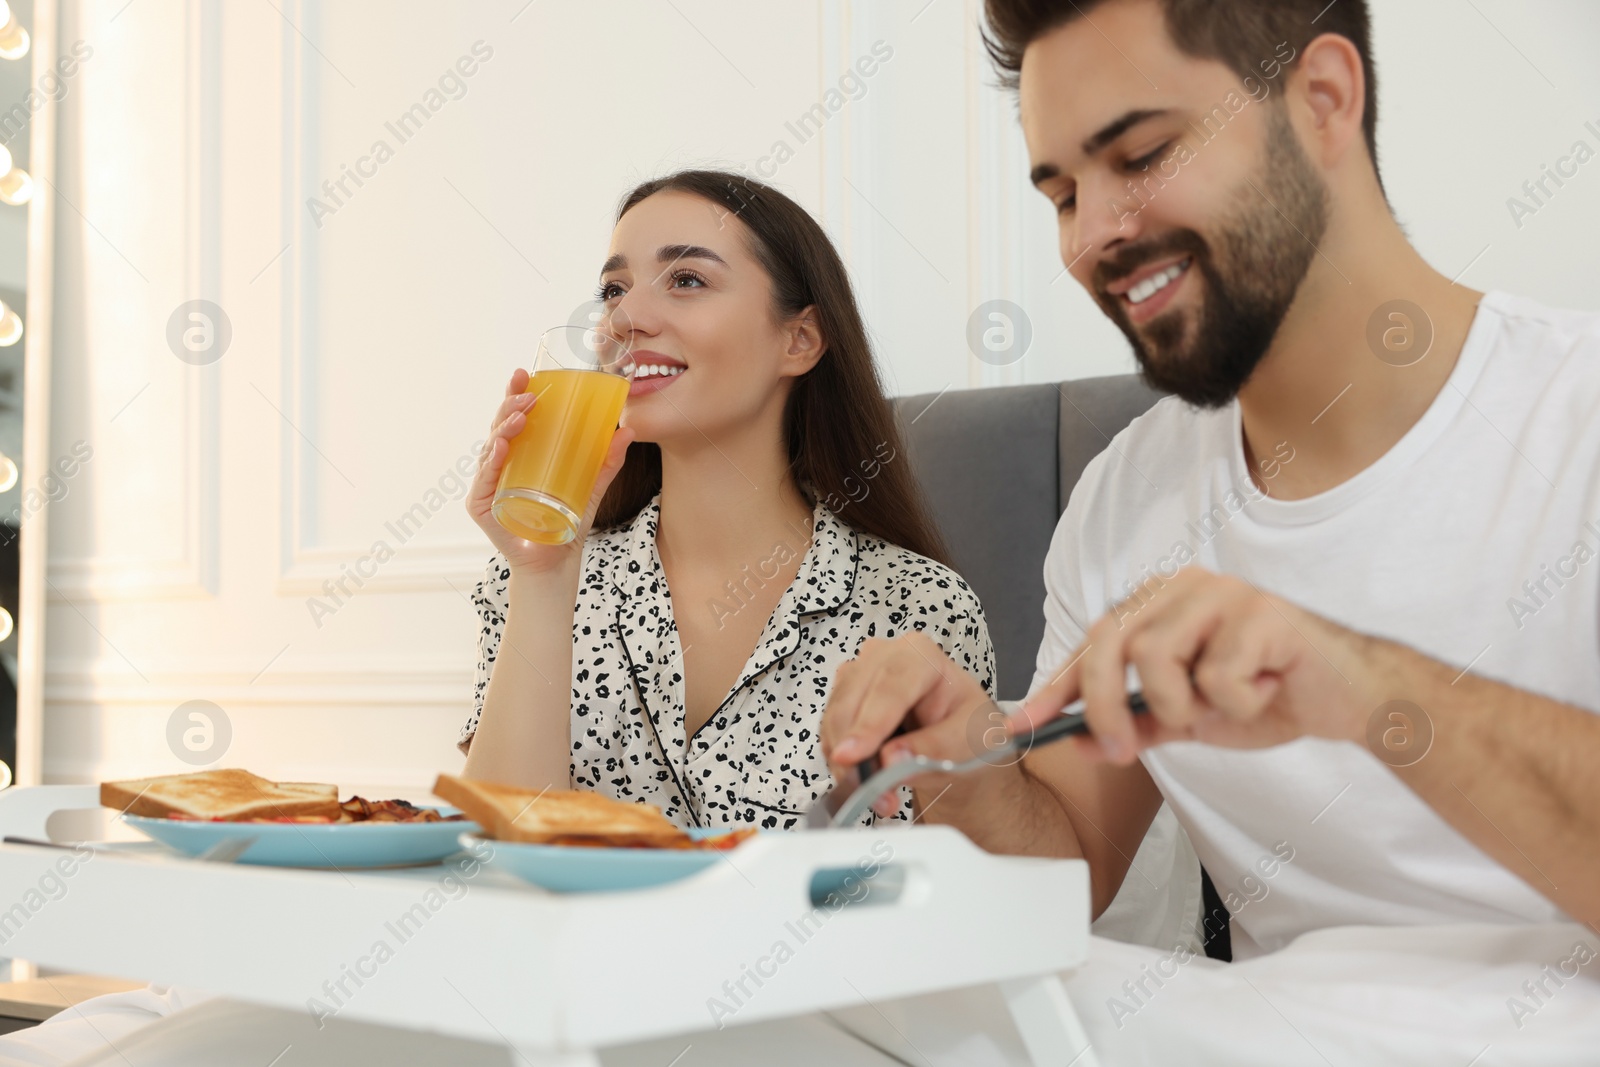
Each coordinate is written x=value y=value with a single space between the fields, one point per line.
x=905 y=680
x=1013 y=807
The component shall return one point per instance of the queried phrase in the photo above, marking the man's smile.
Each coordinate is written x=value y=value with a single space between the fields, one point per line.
x=1146 y=293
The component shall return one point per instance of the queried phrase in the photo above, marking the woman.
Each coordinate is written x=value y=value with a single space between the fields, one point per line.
x=754 y=522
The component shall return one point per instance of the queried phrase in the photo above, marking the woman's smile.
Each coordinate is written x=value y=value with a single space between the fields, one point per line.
x=654 y=372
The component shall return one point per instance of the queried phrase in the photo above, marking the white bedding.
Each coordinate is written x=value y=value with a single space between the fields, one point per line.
x=1439 y=996
x=94 y=1027
x=1358 y=995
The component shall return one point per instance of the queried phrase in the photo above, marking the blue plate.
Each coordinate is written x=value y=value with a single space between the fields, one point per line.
x=325 y=845
x=576 y=869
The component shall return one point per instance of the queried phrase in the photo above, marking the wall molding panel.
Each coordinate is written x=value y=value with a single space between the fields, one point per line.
x=193 y=570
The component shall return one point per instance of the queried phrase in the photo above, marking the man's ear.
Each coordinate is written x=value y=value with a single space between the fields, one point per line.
x=806 y=343
x=1336 y=92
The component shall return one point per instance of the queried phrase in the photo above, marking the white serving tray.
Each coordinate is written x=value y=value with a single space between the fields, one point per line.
x=487 y=958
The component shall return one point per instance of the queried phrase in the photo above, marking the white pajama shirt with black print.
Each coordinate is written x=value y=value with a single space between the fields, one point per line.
x=757 y=760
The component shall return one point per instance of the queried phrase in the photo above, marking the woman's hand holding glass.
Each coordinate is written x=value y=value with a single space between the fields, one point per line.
x=510 y=418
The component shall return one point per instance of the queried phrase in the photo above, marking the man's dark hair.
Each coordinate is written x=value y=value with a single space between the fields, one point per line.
x=1238 y=33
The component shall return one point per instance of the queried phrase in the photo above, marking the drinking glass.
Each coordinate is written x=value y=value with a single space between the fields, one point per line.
x=581 y=376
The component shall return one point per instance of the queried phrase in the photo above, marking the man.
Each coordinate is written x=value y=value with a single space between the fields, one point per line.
x=1354 y=560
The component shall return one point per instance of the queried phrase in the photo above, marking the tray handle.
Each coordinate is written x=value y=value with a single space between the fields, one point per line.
x=896 y=882
x=24 y=810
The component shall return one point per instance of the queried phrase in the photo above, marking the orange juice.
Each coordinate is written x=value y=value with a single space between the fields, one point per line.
x=549 y=474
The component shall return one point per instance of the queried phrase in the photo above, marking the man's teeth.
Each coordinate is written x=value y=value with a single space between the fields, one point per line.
x=1155 y=283
x=658 y=370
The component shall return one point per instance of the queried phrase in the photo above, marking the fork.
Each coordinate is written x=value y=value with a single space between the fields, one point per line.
x=877 y=782
x=225 y=851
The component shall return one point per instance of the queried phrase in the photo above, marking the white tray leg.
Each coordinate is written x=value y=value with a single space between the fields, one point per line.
x=1049 y=1026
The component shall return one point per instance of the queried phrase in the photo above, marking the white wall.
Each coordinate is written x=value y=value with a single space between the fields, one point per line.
x=368 y=351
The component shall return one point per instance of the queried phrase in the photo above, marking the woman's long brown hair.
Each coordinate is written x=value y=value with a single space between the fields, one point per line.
x=844 y=444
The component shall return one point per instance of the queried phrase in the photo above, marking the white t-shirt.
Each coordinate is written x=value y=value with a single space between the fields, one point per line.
x=1475 y=540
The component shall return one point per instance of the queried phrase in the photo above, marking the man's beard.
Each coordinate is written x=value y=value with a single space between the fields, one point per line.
x=1264 y=250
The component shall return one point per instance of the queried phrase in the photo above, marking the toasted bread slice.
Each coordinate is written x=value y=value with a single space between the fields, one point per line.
x=228 y=794
x=512 y=813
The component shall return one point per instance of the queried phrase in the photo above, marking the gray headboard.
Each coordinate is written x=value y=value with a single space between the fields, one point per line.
x=997 y=466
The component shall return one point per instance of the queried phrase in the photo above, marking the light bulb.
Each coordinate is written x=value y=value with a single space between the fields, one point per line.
x=10 y=327
x=8 y=478
x=5 y=775
x=16 y=186
x=13 y=38
x=6 y=626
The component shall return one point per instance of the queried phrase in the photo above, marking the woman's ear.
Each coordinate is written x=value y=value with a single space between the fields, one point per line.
x=806 y=343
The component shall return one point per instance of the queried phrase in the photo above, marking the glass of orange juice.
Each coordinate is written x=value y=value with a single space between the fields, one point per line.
x=581 y=376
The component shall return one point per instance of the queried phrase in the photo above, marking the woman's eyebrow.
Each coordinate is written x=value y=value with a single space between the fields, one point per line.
x=669 y=253
x=666 y=254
